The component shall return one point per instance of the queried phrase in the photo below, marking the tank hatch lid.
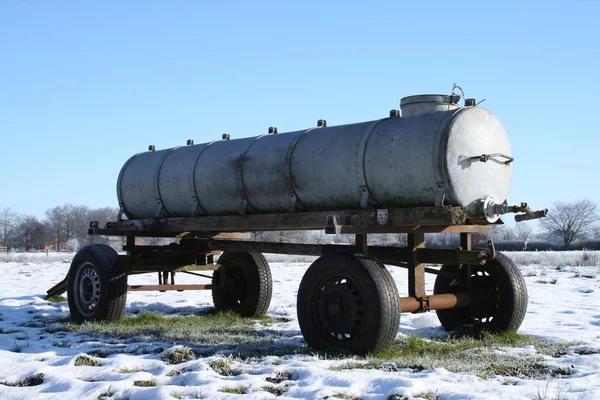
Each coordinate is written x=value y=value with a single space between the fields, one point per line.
x=423 y=104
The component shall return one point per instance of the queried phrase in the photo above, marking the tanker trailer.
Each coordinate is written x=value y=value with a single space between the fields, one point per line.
x=435 y=167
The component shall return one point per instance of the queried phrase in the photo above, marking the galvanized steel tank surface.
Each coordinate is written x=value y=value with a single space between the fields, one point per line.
x=421 y=160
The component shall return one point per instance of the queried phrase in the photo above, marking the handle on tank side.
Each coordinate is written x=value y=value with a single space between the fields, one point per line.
x=486 y=157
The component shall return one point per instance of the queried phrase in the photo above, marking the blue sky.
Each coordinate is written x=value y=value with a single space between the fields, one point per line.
x=85 y=85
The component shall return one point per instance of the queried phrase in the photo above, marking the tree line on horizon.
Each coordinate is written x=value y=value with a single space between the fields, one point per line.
x=569 y=225
x=64 y=227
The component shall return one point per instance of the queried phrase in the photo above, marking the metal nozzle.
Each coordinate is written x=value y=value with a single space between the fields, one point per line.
x=531 y=215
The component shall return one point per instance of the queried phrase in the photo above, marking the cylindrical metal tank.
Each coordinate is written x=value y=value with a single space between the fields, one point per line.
x=435 y=154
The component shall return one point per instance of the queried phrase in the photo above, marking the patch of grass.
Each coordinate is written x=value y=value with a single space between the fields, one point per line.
x=276 y=390
x=234 y=389
x=86 y=360
x=416 y=345
x=56 y=299
x=583 y=351
x=222 y=367
x=98 y=353
x=342 y=395
x=175 y=372
x=546 y=393
x=129 y=370
x=465 y=354
x=54 y=328
x=178 y=355
x=422 y=395
x=280 y=376
x=177 y=395
x=8 y=331
x=207 y=333
x=550 y=281
x=145 y=383
x=107 y=393
x=33 y=380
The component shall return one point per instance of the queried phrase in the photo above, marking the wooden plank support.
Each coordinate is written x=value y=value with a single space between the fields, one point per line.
x=466 y=242
x=416 y=269
x=132 y=269
x=139 y=288
x=59 y=288
x=361 y=242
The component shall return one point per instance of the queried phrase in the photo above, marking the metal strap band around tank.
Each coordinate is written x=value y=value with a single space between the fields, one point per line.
x=122 y=208
x=246 y=205
x=287 y=171
x=198 y=209
x=161 y=210
x=360 y=164
x=441 y=174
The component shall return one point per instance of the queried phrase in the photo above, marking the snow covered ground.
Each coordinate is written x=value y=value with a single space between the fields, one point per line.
x=38 y=362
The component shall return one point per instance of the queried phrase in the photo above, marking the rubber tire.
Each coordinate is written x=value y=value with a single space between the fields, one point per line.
x=380 y=301
x=112 y=279
x=510 y=303
x=253 y=272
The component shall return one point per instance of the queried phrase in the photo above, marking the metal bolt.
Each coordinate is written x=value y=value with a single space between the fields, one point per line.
x=273 y=130
x=470 y=102
x=394 y=113
x=190 y=142
x=151 y=147
x=322 y=123
x=226 y=136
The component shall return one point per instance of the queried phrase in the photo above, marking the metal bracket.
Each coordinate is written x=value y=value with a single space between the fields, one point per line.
x=121 y=211
x=333 y=224
x=440 y=195
x=424 y=305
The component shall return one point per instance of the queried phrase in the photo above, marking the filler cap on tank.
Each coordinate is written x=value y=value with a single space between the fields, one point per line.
x=423 y=104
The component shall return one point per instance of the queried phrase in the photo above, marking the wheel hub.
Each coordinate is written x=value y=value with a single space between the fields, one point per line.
x=89 y=289
x=340 y=308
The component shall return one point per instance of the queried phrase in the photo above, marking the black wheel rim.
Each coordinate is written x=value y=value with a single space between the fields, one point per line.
x=485 y=298
x=87 y=289
x=236 y=285
x=338 y=307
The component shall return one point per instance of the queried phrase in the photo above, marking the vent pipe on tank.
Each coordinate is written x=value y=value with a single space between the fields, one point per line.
x=423 y=104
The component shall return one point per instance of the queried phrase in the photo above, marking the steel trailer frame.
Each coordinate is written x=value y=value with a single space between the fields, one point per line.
x=205 y=237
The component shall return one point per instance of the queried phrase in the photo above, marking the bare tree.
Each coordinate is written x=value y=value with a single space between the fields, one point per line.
x=523 y=231
x=8 y=221
x=568 y=221
x=29 y=233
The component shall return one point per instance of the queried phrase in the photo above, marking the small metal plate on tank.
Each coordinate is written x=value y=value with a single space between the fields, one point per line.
x=382 y=217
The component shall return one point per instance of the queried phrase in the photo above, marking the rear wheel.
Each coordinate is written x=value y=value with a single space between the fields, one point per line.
x=247 y=287
x=498 y=297
x=97 y=284
x=348 y=302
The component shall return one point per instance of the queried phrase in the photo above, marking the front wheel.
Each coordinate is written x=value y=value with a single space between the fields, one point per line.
x=97 y=284
x=348 y=302
x=498 y=297
x=247 y=286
